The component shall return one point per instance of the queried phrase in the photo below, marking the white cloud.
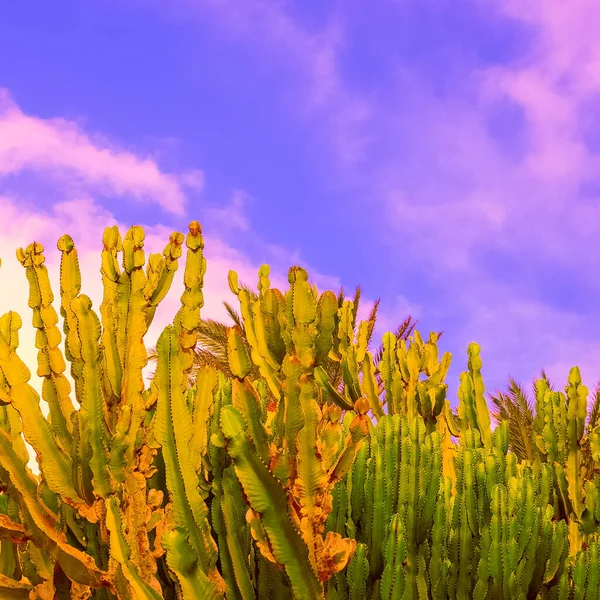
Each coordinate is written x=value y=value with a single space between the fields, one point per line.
x=59 y=149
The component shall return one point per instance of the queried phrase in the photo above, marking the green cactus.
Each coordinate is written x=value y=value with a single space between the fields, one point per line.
x=560 y=433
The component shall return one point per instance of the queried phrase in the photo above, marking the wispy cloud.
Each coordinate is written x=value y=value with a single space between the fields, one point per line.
x=59 y=149
x=307 y=59
x=232 y=216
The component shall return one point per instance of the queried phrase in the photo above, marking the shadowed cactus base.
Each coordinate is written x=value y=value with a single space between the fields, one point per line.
x=273 y=480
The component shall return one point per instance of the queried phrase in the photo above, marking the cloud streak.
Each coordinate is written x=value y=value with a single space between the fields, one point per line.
x=59 y=149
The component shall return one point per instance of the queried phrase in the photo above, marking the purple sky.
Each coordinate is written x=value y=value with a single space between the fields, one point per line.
x=444 y=155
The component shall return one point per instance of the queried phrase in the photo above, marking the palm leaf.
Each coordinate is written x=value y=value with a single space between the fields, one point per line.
x=235 y=316
x=403 y=332
x=594 y=415
x=519 y=411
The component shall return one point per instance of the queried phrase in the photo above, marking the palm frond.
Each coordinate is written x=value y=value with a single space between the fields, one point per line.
x=403 y=332
x=355 y=303
x=545 y=378
x=371 y=321
x=406 y=328
x=235 y=316
x=594 y=415
x=253 y=294
x=517 y=409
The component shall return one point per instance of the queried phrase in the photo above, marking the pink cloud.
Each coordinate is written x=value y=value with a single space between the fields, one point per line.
x=85 y=221
x=555 y=83
x=59 y=148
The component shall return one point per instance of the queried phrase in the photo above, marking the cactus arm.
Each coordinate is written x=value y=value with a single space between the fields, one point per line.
x=370 y=387
x=265 y=369
x=51 y=364
x=350 y=374
x=345 y=329
x=358 y=573
x=304 y=304
x=120 y=551
x=291 y=403
x=438 y=563
x=111 y=273
x=160 y=275
x=388 y=369
x=131 y=328
x=483 y=415
x=10 y=589
x=232 y=504
x=358 y=482
x=359 y=430
x=181 y=559
x=237 y=356
x=203 y=408
x=576 y=416
x=322 y=380
x=54 y=464
x=557 y=549
x=267 y=497
x=77 y=564
x=393 y=577
x=409 y=361
x=472 y=406
x=119 y=444
x=173 y=430
x=433 y=471
x=187 y=320
x=10 y=422
x=88 y=327
x=9 y=530
x=593 y=573
x=378 y=530
x=327 y=311
x=272 y=302
x=244 y=399
x=469 y=487
x=262 y=333
x=216 y=457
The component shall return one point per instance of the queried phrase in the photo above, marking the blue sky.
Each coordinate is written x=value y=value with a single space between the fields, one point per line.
x=444 y=155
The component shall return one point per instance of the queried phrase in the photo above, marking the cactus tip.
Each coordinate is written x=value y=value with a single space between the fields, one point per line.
x=65 y=243
x=195 y=228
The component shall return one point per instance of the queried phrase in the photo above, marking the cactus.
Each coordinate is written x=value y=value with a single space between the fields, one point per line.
x=275 y=477
x=559 y=432
x=89 y=508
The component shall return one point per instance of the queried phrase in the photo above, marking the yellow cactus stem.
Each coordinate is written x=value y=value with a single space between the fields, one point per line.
x=51 y=363
x=55 y=464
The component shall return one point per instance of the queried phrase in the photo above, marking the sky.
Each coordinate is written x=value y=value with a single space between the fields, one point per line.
x=443 y=155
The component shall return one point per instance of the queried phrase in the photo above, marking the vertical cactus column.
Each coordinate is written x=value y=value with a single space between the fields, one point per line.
x=87 y=518
x=287 y=471
x=191 y=551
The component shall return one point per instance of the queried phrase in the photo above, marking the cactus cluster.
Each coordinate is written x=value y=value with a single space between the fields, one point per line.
x=271 y=481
